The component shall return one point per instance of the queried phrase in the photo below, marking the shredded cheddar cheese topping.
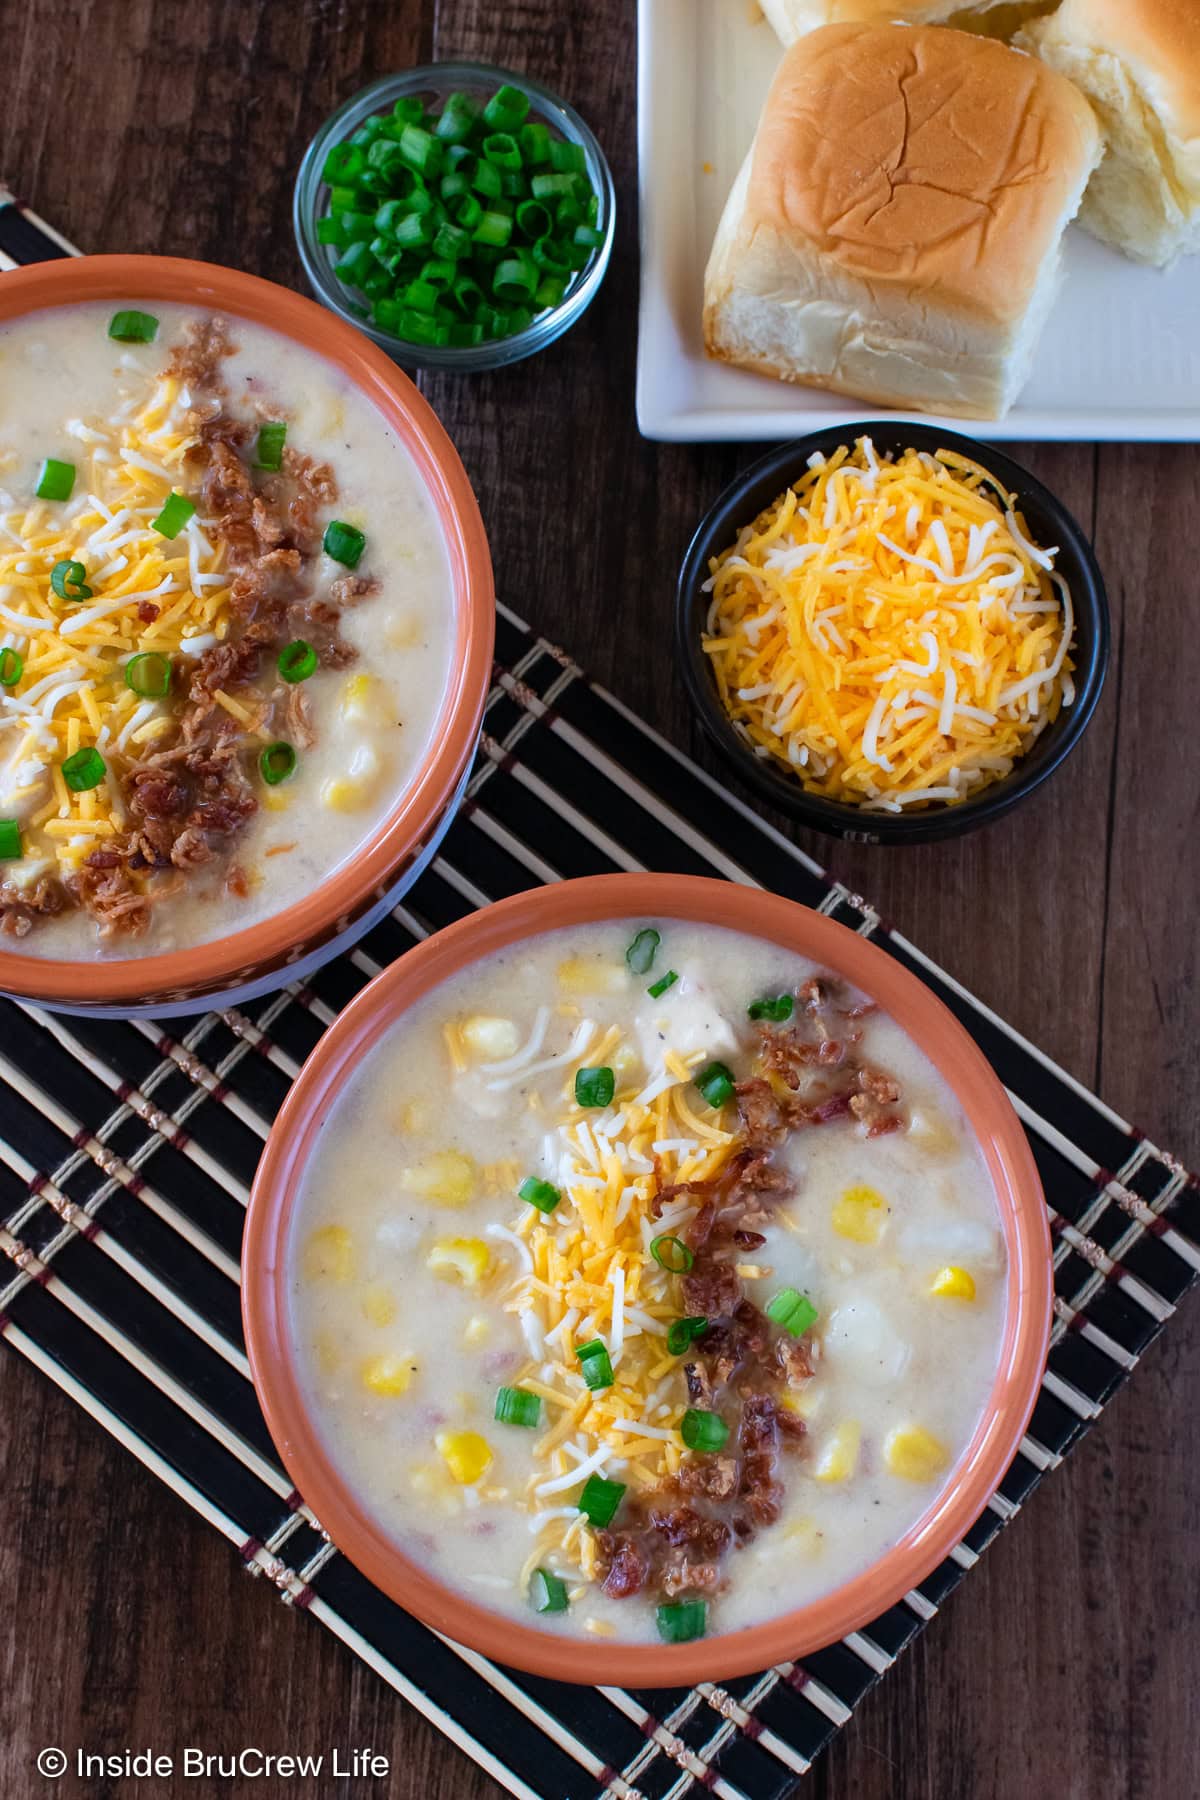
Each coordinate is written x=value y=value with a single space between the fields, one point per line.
x=72 y=693
x=888 y=632
x=585 y=1272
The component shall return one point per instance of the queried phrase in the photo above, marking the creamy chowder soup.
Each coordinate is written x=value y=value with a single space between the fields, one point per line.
x=225 y=625
x=648 y=1279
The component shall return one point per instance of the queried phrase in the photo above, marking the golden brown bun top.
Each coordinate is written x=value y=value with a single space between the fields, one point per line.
x=922 y=157
x=1160 y=39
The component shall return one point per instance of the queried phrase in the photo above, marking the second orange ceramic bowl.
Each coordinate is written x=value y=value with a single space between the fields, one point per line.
x=267 y=1272
x=292 y=942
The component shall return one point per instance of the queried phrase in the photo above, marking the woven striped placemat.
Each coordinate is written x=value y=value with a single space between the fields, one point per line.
x=127 y=1155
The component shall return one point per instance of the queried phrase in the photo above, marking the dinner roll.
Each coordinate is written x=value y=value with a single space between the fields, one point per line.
x=1138 y=61
x=894 y=232
x=998 y=18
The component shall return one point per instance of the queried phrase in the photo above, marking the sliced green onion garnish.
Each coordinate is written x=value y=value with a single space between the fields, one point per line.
x=344 y=543
x=533 y=220
x=451 y=241
x=672 y=1254
x=679 y=1621
x=417 y=327
x=389 y=216
x=600 y=1499
x=683 y=1332
x=268 y=451
x=547 y=1592
x=133 y=327
x=357 y=228
x=658 y=988
x=541 y=1194
x=467 y=295
x=148 y=674
x=86 y=769
x=356 y=264
x=777 y=1009
x=494 y=228
x=460 y=333
x=486 y=178
x=594 y=1087
x=703 y=1430
x=421 y=150
x=297 y=661
x=458 y=119
x=385 y=165
x=276 y=763
x=716 y=1083
x=516 y=279
x=56 y=480
x=342 y=164
x=552 y=257
x=550 y=290
x=12 y=666
x=535 y=144
x=423 y=295
x=466 y=211
x=596 y=1364
x=515 y=1407
x=552 y=187
x=502 y=151
x=507 y=110
x=174 y=515
x=793 y=1310
x=386 y=314
x=642 y=951
x=438 y=272
x=10 y=840
x=413 y=232
x=69 y=580
x=567 y=159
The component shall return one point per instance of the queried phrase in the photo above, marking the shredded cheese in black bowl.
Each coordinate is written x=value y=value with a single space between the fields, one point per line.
x=895 y=633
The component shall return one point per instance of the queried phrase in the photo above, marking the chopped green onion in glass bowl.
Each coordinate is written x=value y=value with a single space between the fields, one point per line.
x=461 y=215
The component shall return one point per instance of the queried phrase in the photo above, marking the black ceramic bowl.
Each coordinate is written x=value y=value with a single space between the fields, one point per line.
x=1050 y=523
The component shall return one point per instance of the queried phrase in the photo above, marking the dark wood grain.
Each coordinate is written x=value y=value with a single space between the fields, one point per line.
x=1066 y=1663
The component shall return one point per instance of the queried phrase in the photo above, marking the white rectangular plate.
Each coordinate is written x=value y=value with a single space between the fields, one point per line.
x=1120 y=358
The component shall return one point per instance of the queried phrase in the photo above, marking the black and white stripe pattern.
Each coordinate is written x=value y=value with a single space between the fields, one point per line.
x=125 y=1170
x=25 y=238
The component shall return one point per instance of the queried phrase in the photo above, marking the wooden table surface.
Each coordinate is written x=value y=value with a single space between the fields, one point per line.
x=1066 y=1663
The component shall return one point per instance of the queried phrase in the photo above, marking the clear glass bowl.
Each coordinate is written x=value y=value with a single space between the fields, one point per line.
x=436 y=80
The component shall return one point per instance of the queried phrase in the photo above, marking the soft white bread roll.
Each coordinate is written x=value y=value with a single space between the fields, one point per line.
x=895 y=230
x=998 y=18
x=1138 y=61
